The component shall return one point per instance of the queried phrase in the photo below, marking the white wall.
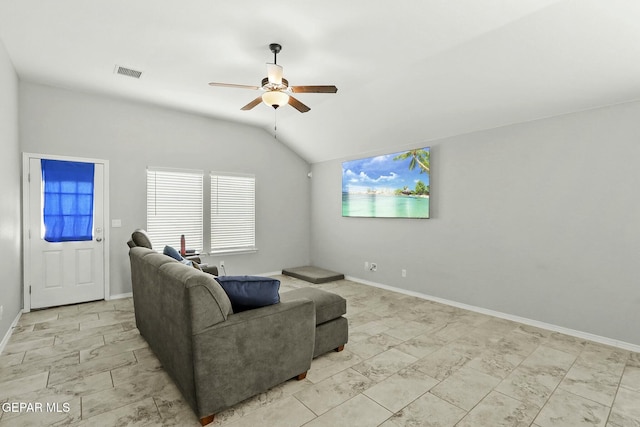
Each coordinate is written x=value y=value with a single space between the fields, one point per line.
x=133 y=136
x=10 y=232
x=538 y=220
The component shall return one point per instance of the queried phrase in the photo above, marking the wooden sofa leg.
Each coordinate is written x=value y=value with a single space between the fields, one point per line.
x=340 y=348
x=302 y=376
x=207 y=420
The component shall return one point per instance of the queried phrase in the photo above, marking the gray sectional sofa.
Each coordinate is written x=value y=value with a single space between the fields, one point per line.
x=216 y=357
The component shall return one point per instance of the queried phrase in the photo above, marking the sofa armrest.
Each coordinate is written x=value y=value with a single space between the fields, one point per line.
x=211 y=269
x=251 y=352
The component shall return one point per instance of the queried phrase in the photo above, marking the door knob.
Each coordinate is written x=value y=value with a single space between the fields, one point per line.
x=99 y=239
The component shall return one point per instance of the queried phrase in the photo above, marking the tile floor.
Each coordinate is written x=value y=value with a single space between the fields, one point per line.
x=409 y=362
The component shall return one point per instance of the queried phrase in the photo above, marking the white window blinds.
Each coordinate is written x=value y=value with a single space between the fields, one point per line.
x=174 y=207
x=233 y=213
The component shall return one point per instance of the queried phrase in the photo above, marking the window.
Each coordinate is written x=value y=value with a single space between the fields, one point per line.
x=233 y=213
x=174 y=207
x=67 y=200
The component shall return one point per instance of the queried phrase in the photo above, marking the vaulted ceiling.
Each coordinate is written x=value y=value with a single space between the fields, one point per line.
x=407 y=71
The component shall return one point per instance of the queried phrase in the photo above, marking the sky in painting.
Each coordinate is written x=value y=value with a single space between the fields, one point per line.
x=380 y=173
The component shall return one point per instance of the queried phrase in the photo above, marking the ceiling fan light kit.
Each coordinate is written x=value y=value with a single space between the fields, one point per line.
x=276 y=88
x=275 y=98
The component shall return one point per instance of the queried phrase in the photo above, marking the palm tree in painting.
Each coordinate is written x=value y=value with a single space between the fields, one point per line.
x=419 y=157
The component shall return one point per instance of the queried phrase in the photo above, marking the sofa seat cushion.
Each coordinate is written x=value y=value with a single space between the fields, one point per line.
x=248 y=292
x=329 y=306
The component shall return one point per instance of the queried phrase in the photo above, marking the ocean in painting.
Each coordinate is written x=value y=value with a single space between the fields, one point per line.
x=395 y=185
x=384 y=206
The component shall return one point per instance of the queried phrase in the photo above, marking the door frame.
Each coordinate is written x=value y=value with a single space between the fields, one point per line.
x=26 y=252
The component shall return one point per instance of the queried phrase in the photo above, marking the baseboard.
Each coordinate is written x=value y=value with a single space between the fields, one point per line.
x=542 y=325
x=120 y=296
x=5 y=340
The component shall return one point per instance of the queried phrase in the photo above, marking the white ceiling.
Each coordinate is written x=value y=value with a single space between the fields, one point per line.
x=407 y=71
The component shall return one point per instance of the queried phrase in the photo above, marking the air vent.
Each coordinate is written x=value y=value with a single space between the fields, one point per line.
x=128 y=72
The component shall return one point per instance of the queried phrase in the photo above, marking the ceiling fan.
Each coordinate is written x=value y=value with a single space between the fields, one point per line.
x=277 y=91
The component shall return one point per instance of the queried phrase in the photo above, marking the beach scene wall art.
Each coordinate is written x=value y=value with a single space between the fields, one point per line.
x=390 y=186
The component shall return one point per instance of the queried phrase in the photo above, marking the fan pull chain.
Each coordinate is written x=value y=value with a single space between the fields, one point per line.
x=275 y=123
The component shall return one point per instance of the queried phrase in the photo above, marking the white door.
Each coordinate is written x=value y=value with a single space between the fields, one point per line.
x=64 y=272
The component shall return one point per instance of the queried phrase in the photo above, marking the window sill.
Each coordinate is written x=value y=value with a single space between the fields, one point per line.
x=233 y=251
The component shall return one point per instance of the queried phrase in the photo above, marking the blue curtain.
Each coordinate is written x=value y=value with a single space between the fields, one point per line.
x=68 y=200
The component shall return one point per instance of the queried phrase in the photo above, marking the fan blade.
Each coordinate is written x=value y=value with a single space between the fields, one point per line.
x=314 y=89
x=252 y=104
x=274 y=73
x=234 y=86
x=298 y=105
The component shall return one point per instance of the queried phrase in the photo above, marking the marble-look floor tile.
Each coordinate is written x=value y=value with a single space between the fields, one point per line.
x=626 y=409
x=495 y=363
x=567 y=409
x=448 y=349
x=88 y=385
x=565 y=343
x=56 y=410
x=384 y=364
x=45 y=333
x=595 y=385
x=329 y=364
x=99 y=323
x=23 y=385
x=407 y=330
x=74 y=373
x=37 y=316
x=465 y=388
x=451 y=331
x=360 y=318
x=631 y=378
x=135 y=372
x=66 y=348
x=603 y=358
x=442 y=363
x=40 y=365
x=498 y=410
x=555 y=361
x=373 y=327
x=400 y=389
x=18 y=329
x=21 y=347
x=333 y=391
x=114 y=337
x=10 y=360
x=374 y=345
x=426 y=411
x=469 y=345
x=111 y=349
x=537 y=376
x=67 y=337
x=69 y=321
x=139 y=413
x=529 y=385
x=359 y=411
x=421 y=346
x=634 y=360
x=287 y=413
x=123 y=394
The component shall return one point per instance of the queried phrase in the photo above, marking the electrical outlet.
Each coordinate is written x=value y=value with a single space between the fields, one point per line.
x=404 y=273
x=222 y=265
x=374 y=267
x=366 y=265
